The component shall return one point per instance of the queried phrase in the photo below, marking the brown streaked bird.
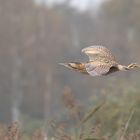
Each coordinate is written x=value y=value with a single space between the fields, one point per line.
x=101 y=62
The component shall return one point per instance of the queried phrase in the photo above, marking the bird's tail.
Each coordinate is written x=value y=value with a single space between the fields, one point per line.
x=77 y=66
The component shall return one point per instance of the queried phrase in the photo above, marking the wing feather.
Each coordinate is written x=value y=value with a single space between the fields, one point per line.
x=98 y=51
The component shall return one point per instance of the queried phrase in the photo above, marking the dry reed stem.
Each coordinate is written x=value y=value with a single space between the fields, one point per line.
x=13 y=132
x=92 y=112
x=127 y=124
x=60 y=133
x=72 y=105
x=39 y=135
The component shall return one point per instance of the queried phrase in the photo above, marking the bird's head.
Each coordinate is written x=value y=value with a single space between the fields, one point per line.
x=133 y=66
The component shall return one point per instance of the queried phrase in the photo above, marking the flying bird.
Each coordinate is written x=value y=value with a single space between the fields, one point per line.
x=101 y=62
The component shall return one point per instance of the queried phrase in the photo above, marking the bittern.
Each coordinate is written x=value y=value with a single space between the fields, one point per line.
x=101 y=62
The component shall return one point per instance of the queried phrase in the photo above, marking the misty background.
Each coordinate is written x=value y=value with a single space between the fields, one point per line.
x=36 y=35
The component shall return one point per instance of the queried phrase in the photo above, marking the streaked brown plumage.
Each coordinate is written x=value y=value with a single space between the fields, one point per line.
x=101 y=62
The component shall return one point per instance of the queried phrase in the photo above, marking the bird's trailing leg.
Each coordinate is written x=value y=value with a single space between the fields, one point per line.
x=133 y=65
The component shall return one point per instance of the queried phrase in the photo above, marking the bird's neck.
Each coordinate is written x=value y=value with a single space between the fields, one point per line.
x=77 y=66
x=123 y=68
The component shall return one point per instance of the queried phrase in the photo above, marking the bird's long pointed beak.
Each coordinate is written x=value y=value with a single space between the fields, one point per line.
x=64 y=64
x=61 y=63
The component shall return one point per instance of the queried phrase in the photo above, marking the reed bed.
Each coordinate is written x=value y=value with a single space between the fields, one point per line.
x=81 y=123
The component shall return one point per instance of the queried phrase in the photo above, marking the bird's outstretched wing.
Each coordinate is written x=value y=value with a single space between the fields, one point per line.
x=95 y=52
